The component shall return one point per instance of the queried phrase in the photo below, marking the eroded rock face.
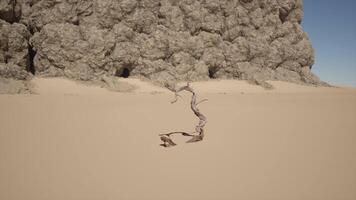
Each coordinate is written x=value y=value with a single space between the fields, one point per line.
x=170 y=40
x=13 y=50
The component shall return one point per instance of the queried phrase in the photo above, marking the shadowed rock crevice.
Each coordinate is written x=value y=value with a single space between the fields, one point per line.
x=30 y=60
x=212 y=72
x=10 y=11
x=283 y=14
x=123 y=72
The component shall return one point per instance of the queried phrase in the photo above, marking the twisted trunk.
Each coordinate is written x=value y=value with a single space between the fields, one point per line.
x=198 y=134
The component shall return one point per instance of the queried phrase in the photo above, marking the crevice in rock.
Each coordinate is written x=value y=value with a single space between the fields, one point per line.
x=212 y=72
x=30 y=29
x=123 y=72
x=12 y=15
x=6 y=58
x=76 y=23
x=13 y=11
x=283 y=14
x=30 y=57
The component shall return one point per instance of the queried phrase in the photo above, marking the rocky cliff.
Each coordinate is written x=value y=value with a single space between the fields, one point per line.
x=161 y=40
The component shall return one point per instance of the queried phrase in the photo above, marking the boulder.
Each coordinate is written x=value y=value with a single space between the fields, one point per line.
x=14 y=58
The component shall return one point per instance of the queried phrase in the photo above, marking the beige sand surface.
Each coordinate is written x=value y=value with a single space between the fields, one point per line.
x=74 y=142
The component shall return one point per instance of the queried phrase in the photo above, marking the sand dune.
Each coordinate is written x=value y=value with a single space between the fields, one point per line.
x=75 y=142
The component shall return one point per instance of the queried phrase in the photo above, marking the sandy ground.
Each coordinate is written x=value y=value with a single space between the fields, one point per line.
x=73 y=142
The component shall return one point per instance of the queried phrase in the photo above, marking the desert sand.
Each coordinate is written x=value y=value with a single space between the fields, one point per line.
x=74 y=142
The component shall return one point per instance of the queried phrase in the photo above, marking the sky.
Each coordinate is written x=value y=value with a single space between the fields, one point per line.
x=331 y=27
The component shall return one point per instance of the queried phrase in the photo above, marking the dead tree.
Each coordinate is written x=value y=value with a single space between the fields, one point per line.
x=196 y=135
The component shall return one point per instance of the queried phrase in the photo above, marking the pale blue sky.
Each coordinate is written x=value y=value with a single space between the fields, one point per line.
x=331 y=26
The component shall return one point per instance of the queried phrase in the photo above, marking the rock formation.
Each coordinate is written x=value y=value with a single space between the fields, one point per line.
x=161 y=40
x=13 y=50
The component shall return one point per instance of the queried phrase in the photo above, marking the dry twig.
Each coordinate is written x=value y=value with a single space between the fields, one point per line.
x=198 y=134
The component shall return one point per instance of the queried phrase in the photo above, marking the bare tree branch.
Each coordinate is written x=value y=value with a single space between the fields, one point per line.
x=199 y=129
x=201 y=101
